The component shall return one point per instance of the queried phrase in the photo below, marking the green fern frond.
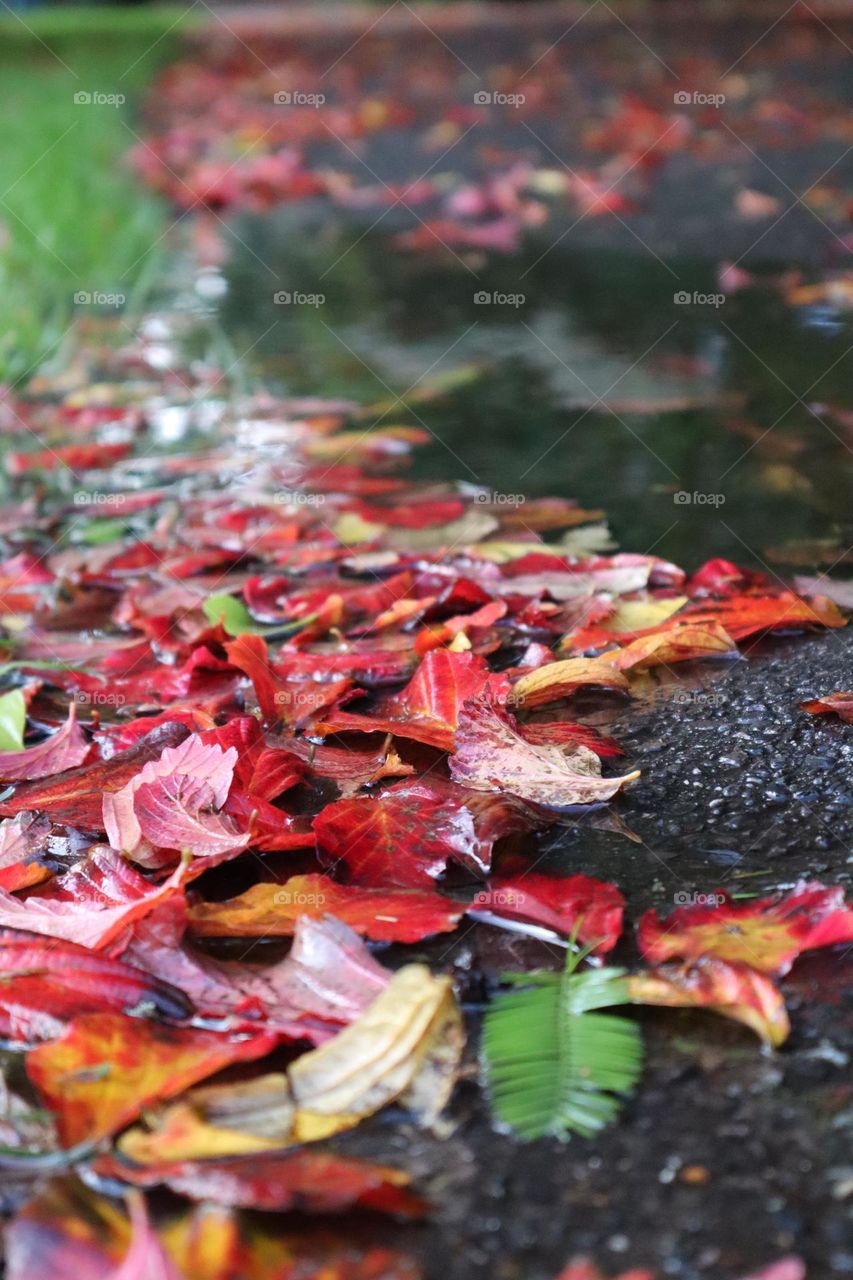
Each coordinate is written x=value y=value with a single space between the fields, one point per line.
x=556 y=1065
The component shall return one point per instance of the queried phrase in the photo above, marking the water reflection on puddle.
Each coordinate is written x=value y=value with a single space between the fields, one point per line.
x=702 y=429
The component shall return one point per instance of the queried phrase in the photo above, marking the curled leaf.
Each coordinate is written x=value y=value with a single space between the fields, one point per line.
x=733 y=990
x=493 y=755
x=405 y=1047
x=557 y=680
x=63 y=750
x=673 y=644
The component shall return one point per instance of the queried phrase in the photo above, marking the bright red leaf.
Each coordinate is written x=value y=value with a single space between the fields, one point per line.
x=407 y=834
x=427 y=709
x=559 y=904
x=767 y=934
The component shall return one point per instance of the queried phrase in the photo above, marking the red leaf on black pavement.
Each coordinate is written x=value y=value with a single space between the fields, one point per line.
x=839 y=704
x=559 y=904
x=767 y=934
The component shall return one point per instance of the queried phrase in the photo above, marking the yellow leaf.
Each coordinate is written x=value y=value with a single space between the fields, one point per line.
x=501 y=551
x=220 y=1121
x=672 y=644
x=406 y=1046
x=639 y=615
x=733 y=990
x=350 y=529
x=558 y=679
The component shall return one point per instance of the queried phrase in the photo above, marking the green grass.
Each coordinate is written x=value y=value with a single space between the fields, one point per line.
x=72 y=217
x=70 y=23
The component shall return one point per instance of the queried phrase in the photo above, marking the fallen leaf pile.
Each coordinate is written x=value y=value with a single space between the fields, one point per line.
x=268 y=688
x=494 y=151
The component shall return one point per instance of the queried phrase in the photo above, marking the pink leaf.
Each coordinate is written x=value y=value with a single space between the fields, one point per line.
x=193 y=759
x=22 y=836
x=169 y=814
x=146 y=1259
x=92 y=903
x=65 y=749
x=327 y=979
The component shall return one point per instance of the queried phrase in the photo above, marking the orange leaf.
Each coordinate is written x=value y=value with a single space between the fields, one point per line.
x=767 y=934
x=673 y=644
x=107 y=1068
x=733 y=990
x=273 y=910
x=841 y=704
x=746 y=615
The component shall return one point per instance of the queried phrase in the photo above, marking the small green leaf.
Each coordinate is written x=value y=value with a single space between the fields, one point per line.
x=96 y=532
x=231 y=612
x=13 y=717
x=555 y=1064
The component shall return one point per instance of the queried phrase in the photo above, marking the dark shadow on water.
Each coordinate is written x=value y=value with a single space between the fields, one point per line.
x=704 y=427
